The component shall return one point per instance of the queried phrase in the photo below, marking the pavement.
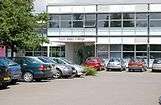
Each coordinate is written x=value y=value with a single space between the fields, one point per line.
x=107 y=88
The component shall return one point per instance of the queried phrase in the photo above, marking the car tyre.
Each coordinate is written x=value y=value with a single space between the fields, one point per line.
x=28 y=77
x=13 y=82
x=58 y=74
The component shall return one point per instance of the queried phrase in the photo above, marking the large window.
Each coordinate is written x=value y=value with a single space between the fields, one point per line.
x=90 y=20
x=128 y=47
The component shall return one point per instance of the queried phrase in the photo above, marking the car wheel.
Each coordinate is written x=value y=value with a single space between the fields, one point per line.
x=58 y=74
x=13 y=82
x=4 y=86
x=28 y=77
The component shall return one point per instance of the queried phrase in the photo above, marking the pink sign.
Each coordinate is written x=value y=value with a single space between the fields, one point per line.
x=2 y=51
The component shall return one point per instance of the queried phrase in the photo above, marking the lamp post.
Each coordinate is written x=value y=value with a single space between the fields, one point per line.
x=148 y=45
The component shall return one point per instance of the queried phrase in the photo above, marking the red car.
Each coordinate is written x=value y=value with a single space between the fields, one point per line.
x=136 y=65
x=94 y=62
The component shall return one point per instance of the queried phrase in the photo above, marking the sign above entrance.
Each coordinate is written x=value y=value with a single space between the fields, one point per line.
x=73 y=39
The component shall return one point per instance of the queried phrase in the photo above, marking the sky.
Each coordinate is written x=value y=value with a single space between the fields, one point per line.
x=40 y=6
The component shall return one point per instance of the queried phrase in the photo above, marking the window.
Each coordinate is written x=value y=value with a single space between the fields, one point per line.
x=115 y=54
x=103 y=24
x=77 y=24
x=127 y=55
x=141 y=23
x=155 y=23
x=155 y=47
x=54 y=24
x=54 y=17
x=115 y=47
x=78 y=16
x=115 y=16
x=103 y=16
x=128 y=47
x=66 y=24
x=128 y=16
x=155 y=15
x=115 y=23
x=141 y=47
x=141 y=16
x=90 y=20
x=66 y=17
x=128 y=24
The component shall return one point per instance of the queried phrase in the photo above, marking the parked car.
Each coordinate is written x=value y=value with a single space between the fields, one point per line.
x=61 y=69
x=79 y=69
x=94 y=62
x=33 y=68
x=116 y=64
x=156 y=65
x=136 y=65
x=160 y=100
x=5 y=77
x=13 y=67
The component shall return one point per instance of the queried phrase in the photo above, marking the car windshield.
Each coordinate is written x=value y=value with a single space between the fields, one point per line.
x=66 y=60
x=114 y=60
x=7 y=62
x=46 y=60
x=158 y=61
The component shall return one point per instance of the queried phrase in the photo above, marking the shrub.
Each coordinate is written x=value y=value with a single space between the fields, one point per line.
x=90 y=71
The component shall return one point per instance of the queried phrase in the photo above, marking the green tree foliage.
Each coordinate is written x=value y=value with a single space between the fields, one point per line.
x=19 y=25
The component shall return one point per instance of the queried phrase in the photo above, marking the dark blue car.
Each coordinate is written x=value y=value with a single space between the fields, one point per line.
x=13 y=68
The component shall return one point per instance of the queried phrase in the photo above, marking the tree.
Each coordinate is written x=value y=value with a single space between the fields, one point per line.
x=19 y=25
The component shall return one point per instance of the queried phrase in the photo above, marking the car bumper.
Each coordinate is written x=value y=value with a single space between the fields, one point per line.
x=43 y=75
x=156 y=68
x=17 y=76
x=114 y=67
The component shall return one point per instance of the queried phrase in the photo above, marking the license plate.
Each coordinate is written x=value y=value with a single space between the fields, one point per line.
x=6 y=78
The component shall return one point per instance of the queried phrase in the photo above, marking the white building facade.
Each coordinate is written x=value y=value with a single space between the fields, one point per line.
x=120 y=28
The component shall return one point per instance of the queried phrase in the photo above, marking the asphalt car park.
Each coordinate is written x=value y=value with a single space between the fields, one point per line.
x=107 y=88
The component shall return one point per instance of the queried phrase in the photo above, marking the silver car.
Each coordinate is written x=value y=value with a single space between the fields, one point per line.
x=79 y=69
x=59 y=70
x=117 y=64
x=156 y=65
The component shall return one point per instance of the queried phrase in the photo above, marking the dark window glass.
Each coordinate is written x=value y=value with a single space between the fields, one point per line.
x=103 y=55
x=90 y=23
x=155 y=47
x=141 y=47
x=155 y=15
x=115 y=47
x=141 y=23
x=65 y=24
x=54 y=17
x=128 y=23
x=128 y=16
x=155 y=23
x=128 y=47
x=90 y=17
x=141 y=16
x=28 y=53
x=66 y=17
x=128 y=55
x=103 y=23
x=115 y=23
x=54 y=24
x=116 y=16
x=78 y=16
x=141 y=55
x=155 y=55
x=103 y=16
x=77 y=24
